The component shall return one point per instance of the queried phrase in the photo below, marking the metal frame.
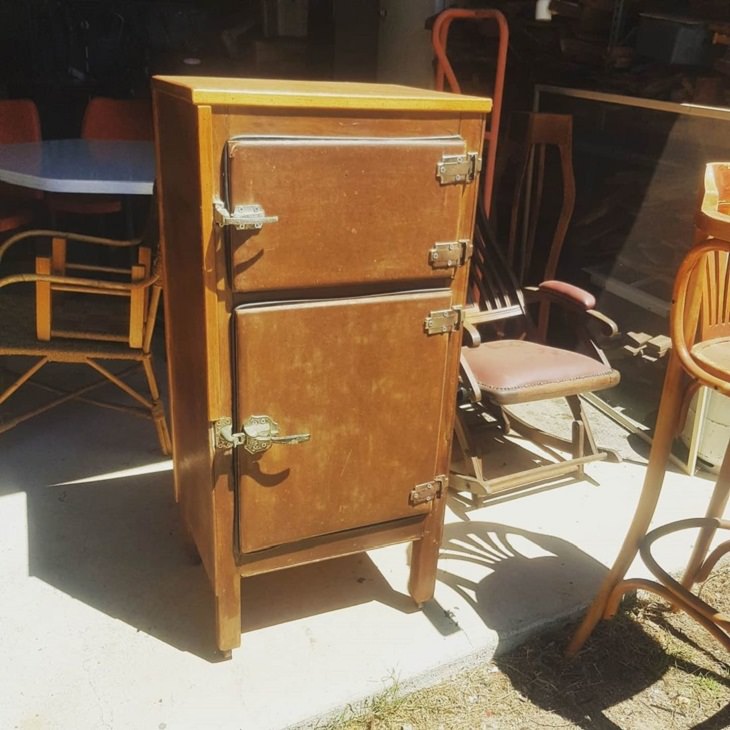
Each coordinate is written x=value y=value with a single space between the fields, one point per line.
x=445 y=73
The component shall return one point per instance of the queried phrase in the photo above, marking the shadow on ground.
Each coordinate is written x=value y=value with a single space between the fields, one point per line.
x=523 y=578
x=622 y=661
x=111 y=538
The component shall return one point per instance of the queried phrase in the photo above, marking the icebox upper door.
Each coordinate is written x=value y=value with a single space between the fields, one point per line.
x=348 y=210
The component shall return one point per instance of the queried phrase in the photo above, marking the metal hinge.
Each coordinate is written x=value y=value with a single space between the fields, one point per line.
x=450 y=254
x=427 y=492
x=441 y=321
x=258 y=433
x=243 y=218
x=458 y=168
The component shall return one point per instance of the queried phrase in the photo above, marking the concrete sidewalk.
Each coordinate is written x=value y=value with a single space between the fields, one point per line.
x=107 y=623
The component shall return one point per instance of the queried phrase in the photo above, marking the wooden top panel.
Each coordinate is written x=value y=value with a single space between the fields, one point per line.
x=315 y=94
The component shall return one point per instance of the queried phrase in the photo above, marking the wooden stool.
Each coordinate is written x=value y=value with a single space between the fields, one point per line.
x=700 y=332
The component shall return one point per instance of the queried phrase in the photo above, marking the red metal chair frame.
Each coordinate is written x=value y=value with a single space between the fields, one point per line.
x=445 y=72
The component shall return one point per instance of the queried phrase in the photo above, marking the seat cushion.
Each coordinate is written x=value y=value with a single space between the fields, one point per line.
x=517 y=371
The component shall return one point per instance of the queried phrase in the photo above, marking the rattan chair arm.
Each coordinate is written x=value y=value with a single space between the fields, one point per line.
x=125 y=286
x=68 y=236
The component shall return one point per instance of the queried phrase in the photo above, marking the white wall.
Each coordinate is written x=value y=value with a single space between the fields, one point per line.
x=404 y=45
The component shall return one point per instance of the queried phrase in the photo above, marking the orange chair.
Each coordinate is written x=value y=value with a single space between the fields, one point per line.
x=19 y=122
x=129 y=119
x=109 y=119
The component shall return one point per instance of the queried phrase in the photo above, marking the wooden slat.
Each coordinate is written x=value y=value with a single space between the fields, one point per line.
x=274 y=93
x=43 y=300
x=322 y=548
x=89 y=290
x=83 y=335
x=137 y=308
x=58 y=255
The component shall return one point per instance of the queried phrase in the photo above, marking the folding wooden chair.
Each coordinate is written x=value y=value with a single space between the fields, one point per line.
x=508 y=360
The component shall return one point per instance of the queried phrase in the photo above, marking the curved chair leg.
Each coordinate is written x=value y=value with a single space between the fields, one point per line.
x=716 y=508
x=669 y=408
x=670 y=597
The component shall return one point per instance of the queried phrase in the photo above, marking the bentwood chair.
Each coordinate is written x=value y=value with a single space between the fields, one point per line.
x=700 y=357
x=81 y=314
x=508 y=360
x=19 y=122
x=105 y=119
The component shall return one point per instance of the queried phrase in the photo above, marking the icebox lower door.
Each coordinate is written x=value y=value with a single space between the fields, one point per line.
x=348 y=210
x=368 y=383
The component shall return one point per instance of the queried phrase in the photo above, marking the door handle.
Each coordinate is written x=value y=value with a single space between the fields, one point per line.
x=258 y=434
x=243 y=218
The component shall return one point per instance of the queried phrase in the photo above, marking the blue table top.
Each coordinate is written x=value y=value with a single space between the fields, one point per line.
x=80 y=166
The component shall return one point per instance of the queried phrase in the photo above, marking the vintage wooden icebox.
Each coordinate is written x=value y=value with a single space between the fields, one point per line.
x=316 y=241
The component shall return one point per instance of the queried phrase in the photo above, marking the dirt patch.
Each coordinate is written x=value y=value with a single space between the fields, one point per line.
x=648 y=668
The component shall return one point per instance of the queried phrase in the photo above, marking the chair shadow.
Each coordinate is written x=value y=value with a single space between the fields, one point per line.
x=526 y=576
x=114 y=541
x=531 y=580
x=621 y=661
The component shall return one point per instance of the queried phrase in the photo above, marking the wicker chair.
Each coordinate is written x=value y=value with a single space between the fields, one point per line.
x=80 y=313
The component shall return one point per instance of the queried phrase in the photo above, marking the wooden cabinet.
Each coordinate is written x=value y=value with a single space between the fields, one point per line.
x=316 y=240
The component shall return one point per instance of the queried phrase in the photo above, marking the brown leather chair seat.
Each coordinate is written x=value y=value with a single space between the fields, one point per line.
x=505 y=369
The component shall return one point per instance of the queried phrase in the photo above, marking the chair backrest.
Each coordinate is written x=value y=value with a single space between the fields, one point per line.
x=124 y=119
x=19 y=121
x=700 y=314
x=712 y=225
x=715 y=306
x=492 y=284
x=498 y=273
x=712 y=217
x=538 y=215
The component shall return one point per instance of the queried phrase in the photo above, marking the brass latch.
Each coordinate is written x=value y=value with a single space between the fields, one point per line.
x=427 y=492
x=458 y=168
x=450 y=254
x=258 y=433
x=442 y=321
x=243 y=218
